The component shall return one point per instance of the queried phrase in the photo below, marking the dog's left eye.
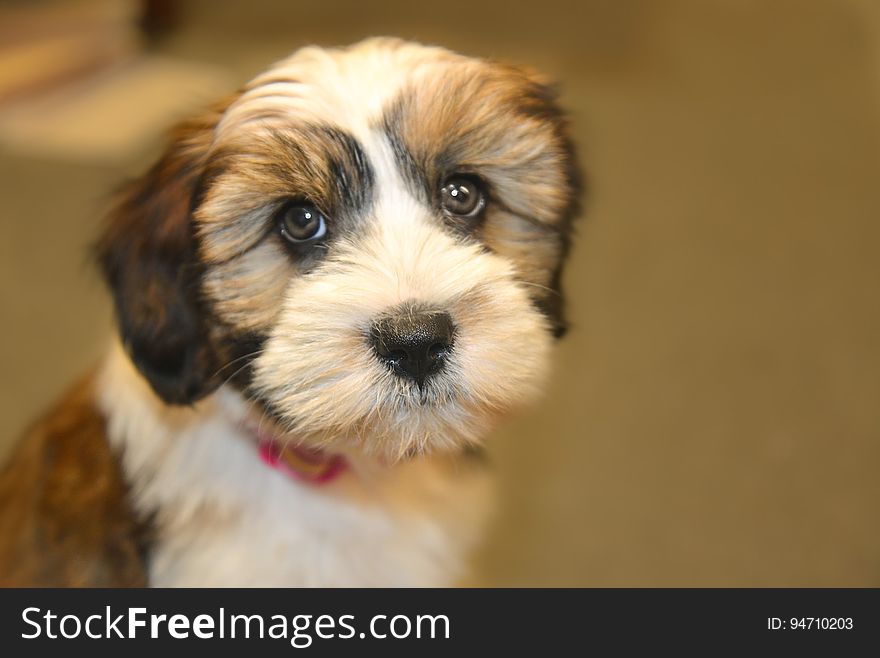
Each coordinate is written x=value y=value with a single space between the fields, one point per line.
x=462 y=196
x=300 y=222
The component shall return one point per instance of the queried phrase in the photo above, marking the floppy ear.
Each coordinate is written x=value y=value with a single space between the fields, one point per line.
x=148 y=257
x=554 y=305
x=542 y=100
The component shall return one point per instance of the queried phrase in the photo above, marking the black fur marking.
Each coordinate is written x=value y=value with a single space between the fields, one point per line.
x=333 y=162
x=414 y=172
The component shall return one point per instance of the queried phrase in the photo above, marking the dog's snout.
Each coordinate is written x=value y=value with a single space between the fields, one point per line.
x=414 y=344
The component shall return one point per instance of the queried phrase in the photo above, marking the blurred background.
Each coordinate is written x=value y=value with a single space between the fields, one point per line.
x=715 y=417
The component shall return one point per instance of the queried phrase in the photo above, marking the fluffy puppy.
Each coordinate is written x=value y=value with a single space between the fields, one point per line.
x=328 y=290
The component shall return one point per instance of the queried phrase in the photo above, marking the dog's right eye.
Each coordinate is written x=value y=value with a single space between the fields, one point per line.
x=300 y=222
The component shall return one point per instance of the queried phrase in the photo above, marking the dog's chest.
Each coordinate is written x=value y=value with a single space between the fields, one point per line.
x=293 y=534
x=222 y=517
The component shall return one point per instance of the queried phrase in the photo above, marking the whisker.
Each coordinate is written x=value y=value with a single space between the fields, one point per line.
x=232 y=376
x=539 y=286
x=236 y=360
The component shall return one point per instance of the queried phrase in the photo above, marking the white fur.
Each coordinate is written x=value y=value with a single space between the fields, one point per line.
x=224 y=518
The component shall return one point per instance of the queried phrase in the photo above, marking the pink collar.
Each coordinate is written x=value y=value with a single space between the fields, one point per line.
x=301 y=463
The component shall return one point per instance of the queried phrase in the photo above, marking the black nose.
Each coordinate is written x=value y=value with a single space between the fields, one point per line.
x=414 y=344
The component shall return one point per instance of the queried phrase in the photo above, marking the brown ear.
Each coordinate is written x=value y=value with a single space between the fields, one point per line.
x=546 y=92
x=540 y=98
x=149 y=259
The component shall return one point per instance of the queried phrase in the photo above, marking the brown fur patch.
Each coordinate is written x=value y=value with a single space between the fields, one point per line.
x=491 y=120
x=503 y=125
x=247 y=264
x=65 y=519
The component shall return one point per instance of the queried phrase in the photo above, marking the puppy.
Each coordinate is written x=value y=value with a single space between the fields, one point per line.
x=328 y=290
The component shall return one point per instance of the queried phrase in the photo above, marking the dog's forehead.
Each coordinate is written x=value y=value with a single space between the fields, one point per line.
x=348 y=88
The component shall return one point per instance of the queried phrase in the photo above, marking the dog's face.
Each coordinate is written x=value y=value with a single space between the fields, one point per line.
x=366 y=242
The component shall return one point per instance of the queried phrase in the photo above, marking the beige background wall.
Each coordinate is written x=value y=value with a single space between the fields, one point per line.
x=714 y=419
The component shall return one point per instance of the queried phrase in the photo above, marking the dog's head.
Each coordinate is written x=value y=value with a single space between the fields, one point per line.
x=366 y=242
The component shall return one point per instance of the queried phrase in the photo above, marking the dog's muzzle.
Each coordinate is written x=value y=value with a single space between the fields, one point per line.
x=414 y=344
